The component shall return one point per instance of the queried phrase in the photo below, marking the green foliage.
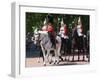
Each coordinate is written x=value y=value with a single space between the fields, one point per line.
x=35 y=20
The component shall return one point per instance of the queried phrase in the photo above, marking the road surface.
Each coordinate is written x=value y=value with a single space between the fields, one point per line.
x=33 y=62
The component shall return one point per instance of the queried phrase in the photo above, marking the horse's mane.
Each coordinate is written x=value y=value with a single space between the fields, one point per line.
x=43 y=32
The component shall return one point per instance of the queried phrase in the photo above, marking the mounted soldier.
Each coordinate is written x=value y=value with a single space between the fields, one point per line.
x=47 y=39
x=80 y=33
x=64 y=36
x=52 y=34
x=48 y=26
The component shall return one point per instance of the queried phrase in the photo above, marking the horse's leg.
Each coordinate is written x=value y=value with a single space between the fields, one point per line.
x=83 y=54
x=50 y=59
x=58 y=51
x=78 y=54
x=65 y=49
x=56 y=57
x=44 y=62
x=48 y=55
x=84 y=49
x=69 y=51
x=38 y=60
x=65 y=52
x=79 y=48
x=73 y=53
x=43 y=50
x=73 y=49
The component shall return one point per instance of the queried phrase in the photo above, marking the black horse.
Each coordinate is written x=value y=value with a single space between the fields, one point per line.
x=78 y=45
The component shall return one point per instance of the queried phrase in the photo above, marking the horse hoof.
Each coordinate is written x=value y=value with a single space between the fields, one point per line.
x=53 y=63
x=57 y=62
x=61 y=58
x=50 y=62
x=44 y=64
x=66 y=59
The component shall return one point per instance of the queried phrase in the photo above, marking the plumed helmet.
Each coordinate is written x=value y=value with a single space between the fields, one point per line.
x=45 y=22
x=62 y=22
x=79 y=20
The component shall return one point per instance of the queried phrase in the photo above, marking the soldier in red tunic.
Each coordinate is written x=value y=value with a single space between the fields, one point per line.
x=51 y=33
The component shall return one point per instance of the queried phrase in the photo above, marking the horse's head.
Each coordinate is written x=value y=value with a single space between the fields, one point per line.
x=36 y=36
x=39 y=36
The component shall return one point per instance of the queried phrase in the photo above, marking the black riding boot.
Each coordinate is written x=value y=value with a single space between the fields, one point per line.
x=52 y=39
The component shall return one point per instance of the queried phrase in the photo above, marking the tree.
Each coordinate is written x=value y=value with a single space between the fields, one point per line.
x=35 y=20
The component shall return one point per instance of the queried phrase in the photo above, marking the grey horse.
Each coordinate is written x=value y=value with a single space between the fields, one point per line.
x=43 y=39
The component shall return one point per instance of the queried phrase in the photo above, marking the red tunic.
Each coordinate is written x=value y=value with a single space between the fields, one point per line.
x=65 y=30
x=50 y=28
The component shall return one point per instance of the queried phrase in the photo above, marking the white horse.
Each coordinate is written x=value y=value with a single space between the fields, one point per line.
x=43 y=39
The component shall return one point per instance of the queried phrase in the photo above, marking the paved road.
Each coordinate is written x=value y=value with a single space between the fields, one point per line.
x=33 y=62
